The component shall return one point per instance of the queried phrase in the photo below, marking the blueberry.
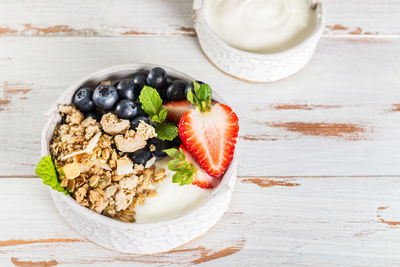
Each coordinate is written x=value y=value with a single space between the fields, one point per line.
x=176 y=91
x=163 y=91
x=169 y=81
x=160 y=146
x=157 y=78
x=105 y=96
x=125 y=109
x=176 y=142
x=190 y=86
x=140 y=156
x=140 y=111
x=126 y=89
x=101 y=112
x=94 y=115
x=83 y=100
x=135 y=122
x=163 y=94
x=139 y=80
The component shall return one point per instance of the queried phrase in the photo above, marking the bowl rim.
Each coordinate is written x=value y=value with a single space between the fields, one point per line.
x=316 y=33
x=225 y=186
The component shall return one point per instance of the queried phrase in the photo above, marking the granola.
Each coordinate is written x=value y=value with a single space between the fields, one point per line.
x=94 y=172
x=112 y=125
x=132 y=140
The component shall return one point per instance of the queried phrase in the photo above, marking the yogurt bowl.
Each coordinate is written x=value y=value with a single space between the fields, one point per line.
x=139 y=238
x=252 y=66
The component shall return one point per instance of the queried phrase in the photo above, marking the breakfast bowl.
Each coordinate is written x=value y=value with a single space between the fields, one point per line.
x=138 y=238
x=261 y=67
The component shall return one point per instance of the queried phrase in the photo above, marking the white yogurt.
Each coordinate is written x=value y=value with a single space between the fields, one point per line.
x=172 y=200
x=261 y=26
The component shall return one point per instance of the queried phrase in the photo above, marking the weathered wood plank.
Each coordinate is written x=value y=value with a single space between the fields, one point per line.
x=161 y=17
x=338 y=116
x=298 y=222
x=99 y=18
x=360 y=18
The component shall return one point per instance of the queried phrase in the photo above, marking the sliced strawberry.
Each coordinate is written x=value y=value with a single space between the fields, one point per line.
x=210 y=136
x=176 y=109
x=201 y=179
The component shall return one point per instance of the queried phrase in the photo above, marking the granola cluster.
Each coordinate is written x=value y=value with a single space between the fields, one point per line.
x=96 y=175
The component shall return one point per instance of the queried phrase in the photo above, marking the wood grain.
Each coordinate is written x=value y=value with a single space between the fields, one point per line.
x=99 y=18
x=334 y=221
x=358 y=18
x=336 y=117
x=21 y=263
x=7 y=243
x=267 y=182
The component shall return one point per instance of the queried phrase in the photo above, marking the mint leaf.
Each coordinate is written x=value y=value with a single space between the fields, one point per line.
x=194 y=96
x=155 y=118
x=190 y=97
x=180 y=165
x=205 y=93
x=177 y=178
x=47 y=171
x=152 y=104
x=166 y=131
x=175 y=153
x=151 y=101
x=201 y=96
x=184 y=170
x=188 y=179
x=162 y=115
x=174 y=164
x=182 y=178
x=196 y=87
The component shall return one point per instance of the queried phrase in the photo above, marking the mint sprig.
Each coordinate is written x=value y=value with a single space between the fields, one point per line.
x=184 y=170
x=47 y=171
x=152 y=105
x=201 y=96
x=151 y=102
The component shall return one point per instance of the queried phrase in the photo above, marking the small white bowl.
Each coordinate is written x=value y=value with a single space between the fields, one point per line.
x=255 y=67
x=137 y=238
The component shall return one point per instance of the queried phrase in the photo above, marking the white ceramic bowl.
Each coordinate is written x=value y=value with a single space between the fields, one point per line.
x=255 y=67
x=134 y=237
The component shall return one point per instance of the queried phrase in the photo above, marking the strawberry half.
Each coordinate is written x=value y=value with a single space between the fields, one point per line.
x=177 y=109
x=208 y=132
x=201 y=179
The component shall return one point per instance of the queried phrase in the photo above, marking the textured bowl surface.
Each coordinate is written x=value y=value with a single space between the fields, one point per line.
x=133 y=237
x=255 y=67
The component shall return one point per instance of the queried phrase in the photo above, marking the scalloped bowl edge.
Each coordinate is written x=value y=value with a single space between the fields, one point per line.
x=147 y=238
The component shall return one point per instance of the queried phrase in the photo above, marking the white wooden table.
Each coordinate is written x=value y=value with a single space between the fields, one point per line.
x=319 y=181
